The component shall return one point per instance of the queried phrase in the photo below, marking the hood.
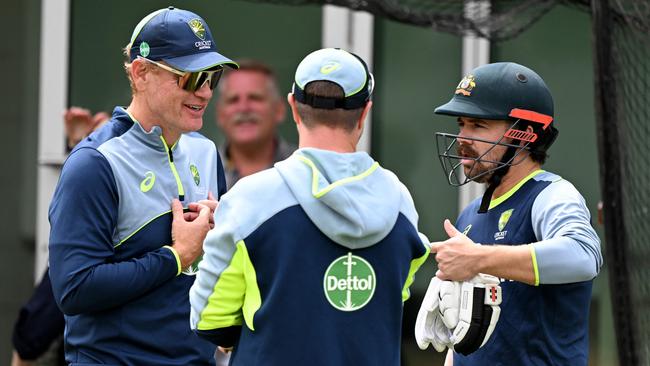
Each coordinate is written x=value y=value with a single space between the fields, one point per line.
x=348 y=196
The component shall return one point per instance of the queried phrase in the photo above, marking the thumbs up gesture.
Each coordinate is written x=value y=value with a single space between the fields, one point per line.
x=458 y=257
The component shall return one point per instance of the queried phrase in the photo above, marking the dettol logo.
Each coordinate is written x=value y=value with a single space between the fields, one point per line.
x=349 y=283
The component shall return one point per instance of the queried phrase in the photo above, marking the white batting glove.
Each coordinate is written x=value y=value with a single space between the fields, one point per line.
x=461 y=312
x=429 y=326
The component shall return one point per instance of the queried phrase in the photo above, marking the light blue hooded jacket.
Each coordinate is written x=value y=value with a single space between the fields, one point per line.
x=309 y=262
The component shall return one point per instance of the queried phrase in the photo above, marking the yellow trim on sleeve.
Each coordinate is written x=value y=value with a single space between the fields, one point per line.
x=235 y=294
x=415 y=265
x=534 y=259
x=178 y=258
x=315 y=174
x=497 y=201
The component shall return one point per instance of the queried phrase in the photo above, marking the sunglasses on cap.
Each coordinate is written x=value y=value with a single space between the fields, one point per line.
x=192 y=81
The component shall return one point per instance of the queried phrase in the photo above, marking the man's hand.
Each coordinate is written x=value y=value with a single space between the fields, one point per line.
x=188 y=236
x=79 y=123
x=194 y=209
x=458 y=257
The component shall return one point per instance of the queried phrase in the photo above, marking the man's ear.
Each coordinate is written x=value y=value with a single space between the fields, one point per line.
x=139 y=73
x=362 y=120
x=294 y=111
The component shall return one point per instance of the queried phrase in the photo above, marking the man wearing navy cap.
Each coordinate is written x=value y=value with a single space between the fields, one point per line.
x=534 y=226
x=122 y=262
x=310 y=261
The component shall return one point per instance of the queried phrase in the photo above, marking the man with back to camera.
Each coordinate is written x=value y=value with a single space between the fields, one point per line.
x=118 y=274
x=249 y=111
x=310 y=261
x=534 y=226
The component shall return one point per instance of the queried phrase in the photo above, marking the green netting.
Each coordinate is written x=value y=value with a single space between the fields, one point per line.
x=505 y=18
x=622 y=47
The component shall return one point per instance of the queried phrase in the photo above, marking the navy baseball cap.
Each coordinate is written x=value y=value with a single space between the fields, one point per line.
x=178 y=37
x=335 y=65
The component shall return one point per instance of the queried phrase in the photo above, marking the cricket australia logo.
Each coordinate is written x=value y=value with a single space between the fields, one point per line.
x=349 y=283
x=466 y=85
x=195 y=174
x=198 y=28
x=503 y=221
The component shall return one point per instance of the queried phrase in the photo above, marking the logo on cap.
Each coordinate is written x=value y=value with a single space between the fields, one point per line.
x=144 y=49
x=466 y=85
x=349 y=283
x=198 y=28
x=330 y=67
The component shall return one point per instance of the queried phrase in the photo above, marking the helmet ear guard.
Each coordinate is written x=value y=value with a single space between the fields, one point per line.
x=543 y=135
x=530 y=116
x=521 y=135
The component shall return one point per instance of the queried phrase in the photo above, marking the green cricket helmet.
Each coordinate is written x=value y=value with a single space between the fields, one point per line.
x=499 y=91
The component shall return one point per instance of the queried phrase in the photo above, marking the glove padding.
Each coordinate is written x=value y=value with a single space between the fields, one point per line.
x=458 y=315
x=429 y=327
x=470 y=309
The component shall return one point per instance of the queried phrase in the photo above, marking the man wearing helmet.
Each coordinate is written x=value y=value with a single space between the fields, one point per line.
x=533 y=225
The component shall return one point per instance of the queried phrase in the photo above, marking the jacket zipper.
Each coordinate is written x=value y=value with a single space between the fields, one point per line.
x=172 y=166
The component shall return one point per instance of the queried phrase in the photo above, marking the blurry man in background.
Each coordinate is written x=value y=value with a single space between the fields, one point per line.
x=249 y=111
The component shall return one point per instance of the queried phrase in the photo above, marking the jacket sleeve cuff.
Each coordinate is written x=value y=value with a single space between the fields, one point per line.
x=533 y=257
x=223 y=337
x=178 y=259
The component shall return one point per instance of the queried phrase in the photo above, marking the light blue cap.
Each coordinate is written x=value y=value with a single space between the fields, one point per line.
x=340 y=67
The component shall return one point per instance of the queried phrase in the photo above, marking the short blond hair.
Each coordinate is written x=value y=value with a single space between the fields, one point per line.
x=127 y=68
